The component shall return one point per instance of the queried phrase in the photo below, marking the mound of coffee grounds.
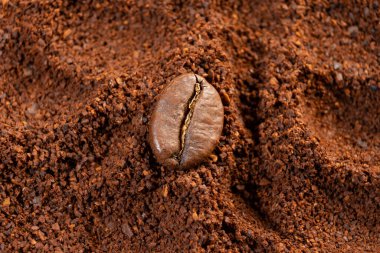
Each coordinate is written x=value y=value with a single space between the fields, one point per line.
x=297 y=168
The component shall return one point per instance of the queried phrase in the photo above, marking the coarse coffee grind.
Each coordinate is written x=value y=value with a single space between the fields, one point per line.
x=296 y=166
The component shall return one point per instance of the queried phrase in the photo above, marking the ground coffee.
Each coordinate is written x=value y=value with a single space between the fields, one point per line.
x=297 y=165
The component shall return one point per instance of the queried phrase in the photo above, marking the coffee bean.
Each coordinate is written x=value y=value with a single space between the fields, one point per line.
x=187 y=122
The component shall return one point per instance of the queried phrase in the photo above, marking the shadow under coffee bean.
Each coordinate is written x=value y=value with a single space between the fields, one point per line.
x=187 y=122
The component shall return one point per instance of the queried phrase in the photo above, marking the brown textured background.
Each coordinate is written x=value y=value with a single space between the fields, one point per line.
x=298 y=164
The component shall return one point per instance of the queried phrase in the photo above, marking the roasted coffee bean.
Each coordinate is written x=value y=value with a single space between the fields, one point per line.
x=187 y=122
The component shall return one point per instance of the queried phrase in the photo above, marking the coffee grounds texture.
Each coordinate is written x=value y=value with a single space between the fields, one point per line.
x=298 y=164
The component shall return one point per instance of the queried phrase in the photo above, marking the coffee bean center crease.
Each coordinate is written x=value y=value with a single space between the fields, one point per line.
x=187 y=117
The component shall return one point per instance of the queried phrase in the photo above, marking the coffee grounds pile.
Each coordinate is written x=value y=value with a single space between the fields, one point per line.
x=297 y=167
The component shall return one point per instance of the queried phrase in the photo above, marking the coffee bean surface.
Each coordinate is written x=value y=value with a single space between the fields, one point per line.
x=187 y=122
